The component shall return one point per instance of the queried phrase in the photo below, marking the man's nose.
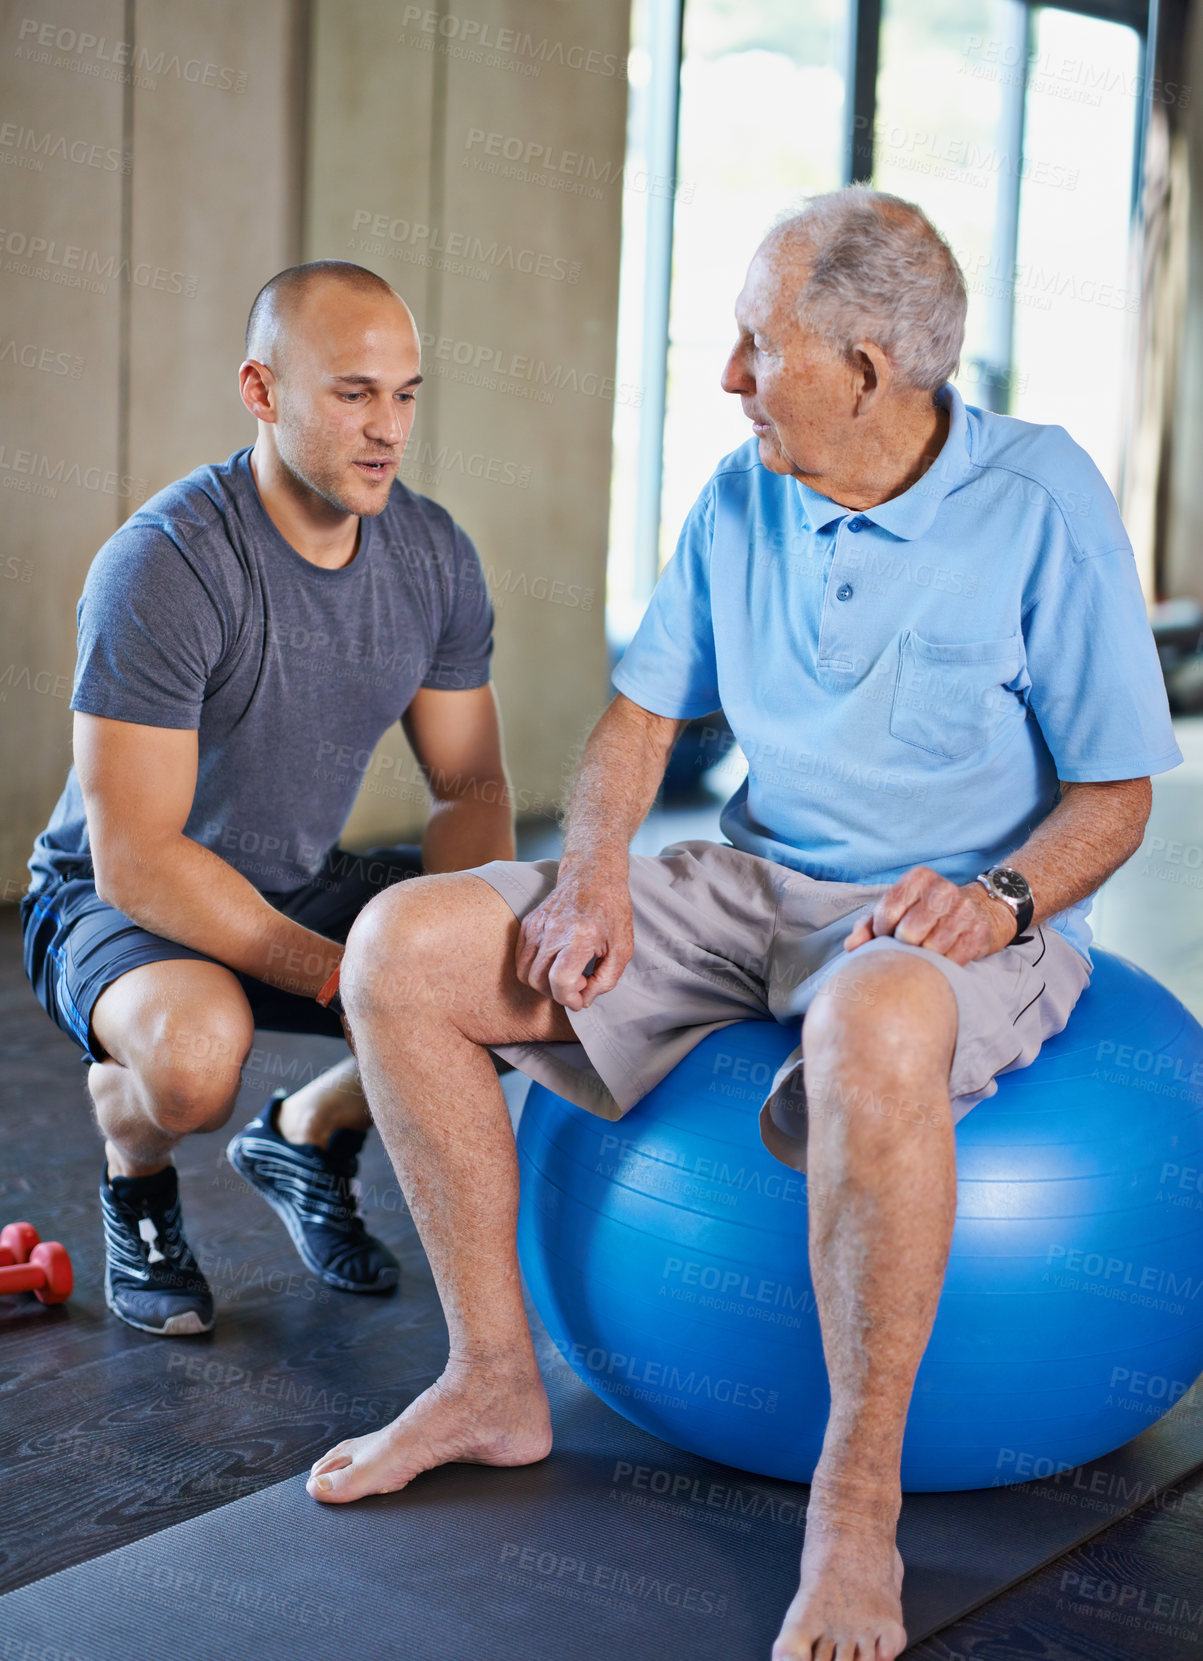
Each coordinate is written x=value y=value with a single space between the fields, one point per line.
x=385 y=423
x=735 y=377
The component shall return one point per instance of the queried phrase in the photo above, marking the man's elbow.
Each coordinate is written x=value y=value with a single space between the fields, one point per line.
x=110 y=879
x=476 y=789
x=1127 y=804
x=1139 y=801
x=118 y=876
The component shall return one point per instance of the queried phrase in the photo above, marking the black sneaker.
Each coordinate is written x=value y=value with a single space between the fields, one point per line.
x=151 y=1280
x=309 y=1189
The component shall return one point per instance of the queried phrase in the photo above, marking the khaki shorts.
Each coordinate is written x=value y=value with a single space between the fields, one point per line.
x=724 y=936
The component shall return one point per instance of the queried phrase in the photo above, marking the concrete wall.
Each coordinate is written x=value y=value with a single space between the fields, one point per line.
x=161 y=159
x=152 y=182
x=473 y=161
x=61 y=453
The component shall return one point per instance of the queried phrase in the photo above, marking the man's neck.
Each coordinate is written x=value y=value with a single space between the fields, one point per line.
x=310 y=526
x=891 y=467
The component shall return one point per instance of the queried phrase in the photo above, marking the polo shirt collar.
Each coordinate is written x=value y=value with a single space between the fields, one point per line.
x=909 y=515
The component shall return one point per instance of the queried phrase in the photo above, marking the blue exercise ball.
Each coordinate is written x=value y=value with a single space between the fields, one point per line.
x=667 y=1257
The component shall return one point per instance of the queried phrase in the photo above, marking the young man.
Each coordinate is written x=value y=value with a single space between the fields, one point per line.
x=244 y=640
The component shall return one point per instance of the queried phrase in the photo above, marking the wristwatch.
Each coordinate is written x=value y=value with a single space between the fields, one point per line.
x=1011 y=887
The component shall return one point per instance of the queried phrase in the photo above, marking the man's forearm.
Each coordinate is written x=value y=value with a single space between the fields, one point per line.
x=470 y=830
x=186 y=893
x=1091 y=832
x=616 y=783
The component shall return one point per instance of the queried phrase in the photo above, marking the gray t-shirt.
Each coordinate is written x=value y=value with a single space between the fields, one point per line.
x=198 y=614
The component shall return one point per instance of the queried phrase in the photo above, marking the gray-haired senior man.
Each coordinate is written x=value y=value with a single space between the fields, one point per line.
x=940 y=606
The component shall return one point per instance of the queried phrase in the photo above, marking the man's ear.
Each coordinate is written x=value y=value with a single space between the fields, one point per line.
x=257 y=386
x=870 y=375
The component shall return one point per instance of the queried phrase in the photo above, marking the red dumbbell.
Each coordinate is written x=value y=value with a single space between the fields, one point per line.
x=17 y=1240
x=27 y=1265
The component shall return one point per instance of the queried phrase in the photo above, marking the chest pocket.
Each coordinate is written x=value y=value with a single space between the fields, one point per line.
x=951 y=699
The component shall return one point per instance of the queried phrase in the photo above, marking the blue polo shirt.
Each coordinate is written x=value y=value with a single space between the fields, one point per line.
x=909 y=682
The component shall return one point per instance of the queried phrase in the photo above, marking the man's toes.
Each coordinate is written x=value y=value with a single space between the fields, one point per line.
x=330 y=1460
x=337 y=1475
x=336 y=1483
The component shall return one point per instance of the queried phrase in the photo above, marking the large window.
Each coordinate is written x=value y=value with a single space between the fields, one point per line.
x=760 y=123
x=1016 y=127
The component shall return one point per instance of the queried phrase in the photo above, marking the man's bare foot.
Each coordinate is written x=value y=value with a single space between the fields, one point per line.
x=467 y=1416
x=848 y=1606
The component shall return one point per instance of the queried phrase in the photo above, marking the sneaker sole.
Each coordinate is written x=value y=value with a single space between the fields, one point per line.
x=295 y=1234
x=187 y=1325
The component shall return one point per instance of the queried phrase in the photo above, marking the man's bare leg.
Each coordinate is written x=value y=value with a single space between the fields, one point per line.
x=427 y=982
x=332 y=1101
x=881 y=1184
x=176 y=1035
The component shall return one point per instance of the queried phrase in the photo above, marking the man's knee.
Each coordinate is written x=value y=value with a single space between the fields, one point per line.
x=891 y=1007
x=399 y=948
x=192 y=1072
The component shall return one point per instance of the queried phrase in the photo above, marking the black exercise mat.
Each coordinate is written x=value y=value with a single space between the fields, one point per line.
x=616 y=1544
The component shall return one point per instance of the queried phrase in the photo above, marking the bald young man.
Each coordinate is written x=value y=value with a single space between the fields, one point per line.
x=245 y=639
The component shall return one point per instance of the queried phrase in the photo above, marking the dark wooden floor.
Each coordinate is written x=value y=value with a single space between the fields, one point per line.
x=107 y=1435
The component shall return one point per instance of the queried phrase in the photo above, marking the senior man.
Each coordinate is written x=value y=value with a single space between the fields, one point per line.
x=938 y=609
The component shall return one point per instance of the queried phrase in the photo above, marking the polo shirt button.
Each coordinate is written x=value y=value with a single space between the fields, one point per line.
x=855 y=524
x=844 y=591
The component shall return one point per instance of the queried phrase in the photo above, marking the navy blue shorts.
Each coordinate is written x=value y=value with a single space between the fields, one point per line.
x=76 y=945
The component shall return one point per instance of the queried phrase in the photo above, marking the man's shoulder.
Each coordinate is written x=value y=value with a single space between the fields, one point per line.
x=186 y=512
x=740 y=475
x=189 y=522
x=1033 y=462
x=416 y=527
x=741 y=471
x=200 y=500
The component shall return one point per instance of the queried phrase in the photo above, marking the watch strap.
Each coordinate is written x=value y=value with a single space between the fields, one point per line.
x=328 y=995
x=1022 y=910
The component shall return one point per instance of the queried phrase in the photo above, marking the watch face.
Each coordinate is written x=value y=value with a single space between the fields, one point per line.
x=1010 y=883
